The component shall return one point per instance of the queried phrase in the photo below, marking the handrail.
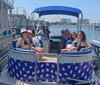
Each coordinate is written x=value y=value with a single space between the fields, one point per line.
x=4 y=56
x=5 y=36
x=3 y=51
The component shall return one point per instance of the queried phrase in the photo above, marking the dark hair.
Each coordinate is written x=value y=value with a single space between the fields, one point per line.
x=22 y=33
x=84 y=36
x=72 y=37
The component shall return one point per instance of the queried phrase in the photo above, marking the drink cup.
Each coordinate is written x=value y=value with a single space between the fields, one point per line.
x=14 y=44
x=75 y=44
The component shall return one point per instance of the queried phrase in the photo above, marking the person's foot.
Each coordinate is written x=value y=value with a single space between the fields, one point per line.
x=40 y=58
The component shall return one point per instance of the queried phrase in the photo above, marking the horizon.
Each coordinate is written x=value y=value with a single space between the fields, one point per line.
x=89 y=8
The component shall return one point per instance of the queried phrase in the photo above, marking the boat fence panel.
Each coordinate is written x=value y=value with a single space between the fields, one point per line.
x=75 y=68
x=61 y=69
x=21 y=66
x=96 y=46
x=5 y=42
x=47 y=70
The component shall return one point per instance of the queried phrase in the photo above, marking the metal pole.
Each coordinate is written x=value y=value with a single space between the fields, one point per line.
x=36 y=66
x=11 y=20
x=58 y=61
x=77 y=24
x=32 y=16
x=2 y=19
x=38 y=24
x=81 y=22
x=7 y=19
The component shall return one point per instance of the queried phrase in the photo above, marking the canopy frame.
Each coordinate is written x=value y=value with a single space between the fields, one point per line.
x=64 y=10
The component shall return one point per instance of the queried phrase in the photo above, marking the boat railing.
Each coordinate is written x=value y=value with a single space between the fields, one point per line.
x=51 y=69
x=96 y=46
x=5 y=42
x=3 y=59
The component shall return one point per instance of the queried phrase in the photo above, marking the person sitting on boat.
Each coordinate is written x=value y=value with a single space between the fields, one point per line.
x=65 y=38
x=82 y=44
x=47 y=31
x=69 y=45
x=23 y=41
x=62 y=33
x=38 y=49
x=42 y=35
x=73 y=36
x=79 y=44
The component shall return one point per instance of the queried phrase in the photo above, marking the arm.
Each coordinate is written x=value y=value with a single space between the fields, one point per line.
x=33 y=48
x=19 y=42
x=87 y=46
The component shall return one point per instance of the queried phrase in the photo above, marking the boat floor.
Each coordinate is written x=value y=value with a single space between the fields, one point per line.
x=5 y=79
x=49 y=59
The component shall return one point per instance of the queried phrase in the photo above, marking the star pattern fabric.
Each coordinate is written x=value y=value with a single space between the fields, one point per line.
x=21 y=70
x=47 y=71
x=80 y=71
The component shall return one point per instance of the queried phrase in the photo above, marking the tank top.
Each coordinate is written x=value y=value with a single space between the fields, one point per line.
x=80 y=47
x=31 y=42
x=25 y=43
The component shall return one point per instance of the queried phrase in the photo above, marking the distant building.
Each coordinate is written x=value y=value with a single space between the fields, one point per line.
x=19 y=17
x=85 y=21
x=6 y=7
x=65 y=21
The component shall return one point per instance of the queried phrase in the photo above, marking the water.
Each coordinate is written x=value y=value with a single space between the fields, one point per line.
x=90 y=32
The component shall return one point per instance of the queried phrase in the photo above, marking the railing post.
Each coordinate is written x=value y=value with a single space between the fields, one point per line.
x=58 y=61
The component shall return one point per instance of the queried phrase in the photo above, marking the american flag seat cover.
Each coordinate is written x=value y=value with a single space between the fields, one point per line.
x=80 y=71
x=47 y=71
x=77 y=67
x=21 y=70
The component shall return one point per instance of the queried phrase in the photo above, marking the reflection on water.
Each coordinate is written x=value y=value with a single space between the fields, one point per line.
x=90 y=32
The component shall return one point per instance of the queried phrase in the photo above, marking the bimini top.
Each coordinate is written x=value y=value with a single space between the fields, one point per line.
x=48 y=10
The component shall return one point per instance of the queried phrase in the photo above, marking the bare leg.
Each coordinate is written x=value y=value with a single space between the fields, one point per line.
x=40 y=50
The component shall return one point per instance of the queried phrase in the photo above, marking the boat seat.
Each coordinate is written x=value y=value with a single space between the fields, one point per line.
x=75 y=65
x=4 y=33
x=9 y=31
x=21 y=64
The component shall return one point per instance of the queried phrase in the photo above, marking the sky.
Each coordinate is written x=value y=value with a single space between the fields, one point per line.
x=90 y=8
